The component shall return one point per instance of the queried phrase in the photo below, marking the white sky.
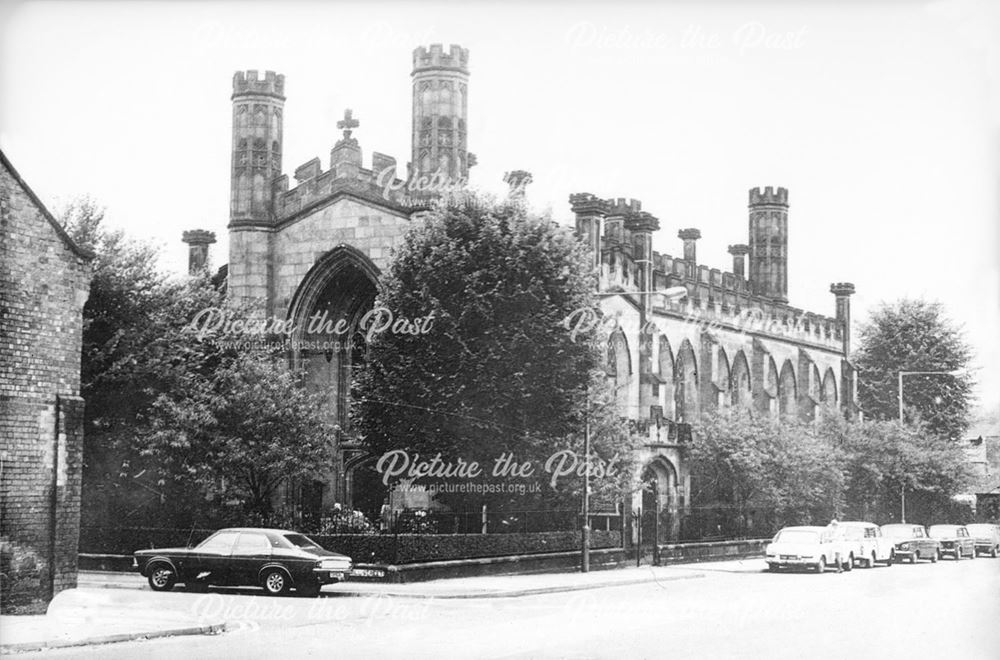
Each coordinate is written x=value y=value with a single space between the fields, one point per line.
x=880 y=118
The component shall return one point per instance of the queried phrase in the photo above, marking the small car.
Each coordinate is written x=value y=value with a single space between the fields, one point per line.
x=912 y=542
x=865 y=543
x=276 y=560
x=806 y=547
x=986 y=537
x=955 y=540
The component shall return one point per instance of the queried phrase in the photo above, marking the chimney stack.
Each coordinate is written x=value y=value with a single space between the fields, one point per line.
x=769 y=243
x=198 y=241
x=739 y=252
x=843 y=291
x=689 y=236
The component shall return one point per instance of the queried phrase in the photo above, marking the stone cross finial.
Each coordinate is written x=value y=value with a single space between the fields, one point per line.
x=348 y=122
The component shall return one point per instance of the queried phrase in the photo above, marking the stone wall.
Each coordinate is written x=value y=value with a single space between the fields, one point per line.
x=44 y=283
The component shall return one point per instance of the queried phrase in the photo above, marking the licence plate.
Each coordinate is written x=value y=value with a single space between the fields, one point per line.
x=368 y=572
x=789 y=556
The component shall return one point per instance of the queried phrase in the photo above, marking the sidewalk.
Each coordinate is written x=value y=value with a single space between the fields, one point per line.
x=82 y=618
x=495 y=586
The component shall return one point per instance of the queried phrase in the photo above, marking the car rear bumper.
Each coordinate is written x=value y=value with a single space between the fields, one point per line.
x=789 y=563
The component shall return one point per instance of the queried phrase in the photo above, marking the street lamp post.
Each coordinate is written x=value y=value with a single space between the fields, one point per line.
x=899 y=390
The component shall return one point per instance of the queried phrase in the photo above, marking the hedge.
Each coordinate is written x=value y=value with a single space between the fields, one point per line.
x=363 y=548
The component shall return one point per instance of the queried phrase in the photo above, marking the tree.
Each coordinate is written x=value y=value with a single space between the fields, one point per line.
x=915 y=335
x=239 y=432
x=885 y=461
x=755 y=473
x=496 y=373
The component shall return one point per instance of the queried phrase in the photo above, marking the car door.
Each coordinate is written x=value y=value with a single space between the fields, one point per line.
x=252 y=551
x=209 y=561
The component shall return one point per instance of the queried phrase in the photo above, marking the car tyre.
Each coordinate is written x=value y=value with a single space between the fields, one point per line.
x=821 y=566
x=772 y=568
x=850 y=562
x=161 y=577
x=993 y=552
x=935 y=556
x=891 y=560
x=275 y=582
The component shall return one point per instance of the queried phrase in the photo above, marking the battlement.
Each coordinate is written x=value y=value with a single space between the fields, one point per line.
x=425 y=59
x=769 y=196
x=248 y=83
x=378 y=184
x=588 y=204
x=623 y=207
x=642 y=221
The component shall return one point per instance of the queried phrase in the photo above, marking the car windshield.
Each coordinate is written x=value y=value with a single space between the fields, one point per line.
x=797 y=536
x=980 y=530
x=905 y=532
x=943 y=530
x=301 y=541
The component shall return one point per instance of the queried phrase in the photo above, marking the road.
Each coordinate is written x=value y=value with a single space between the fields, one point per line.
x=949 y=609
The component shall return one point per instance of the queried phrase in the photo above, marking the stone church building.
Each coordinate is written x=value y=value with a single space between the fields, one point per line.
x=319 y=243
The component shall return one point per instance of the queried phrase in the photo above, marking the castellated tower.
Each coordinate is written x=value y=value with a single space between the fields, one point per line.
x=769 y=243
x=257 y=109
x=440 y=112
x=257 y=142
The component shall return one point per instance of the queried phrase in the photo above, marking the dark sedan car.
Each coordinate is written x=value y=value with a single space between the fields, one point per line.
x=912 y=542
x=955 y=540
x=275 y=559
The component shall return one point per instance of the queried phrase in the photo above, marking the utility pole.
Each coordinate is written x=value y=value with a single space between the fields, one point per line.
x=585 y=559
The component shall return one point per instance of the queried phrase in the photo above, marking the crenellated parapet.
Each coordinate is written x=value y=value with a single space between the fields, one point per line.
x=378 y=184
x=250 y=84
x=716 y=297
x=435 y=57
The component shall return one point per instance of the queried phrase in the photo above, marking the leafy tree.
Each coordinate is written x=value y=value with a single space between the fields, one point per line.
x=239 y=432
x=495 y=373
x=883 y=459
x=915 y=335
x=754 y=473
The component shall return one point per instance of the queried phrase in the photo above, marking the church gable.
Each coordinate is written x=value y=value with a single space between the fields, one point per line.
x=373 y=230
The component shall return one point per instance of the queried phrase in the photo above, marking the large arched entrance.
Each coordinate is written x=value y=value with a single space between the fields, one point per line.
x=328 y=346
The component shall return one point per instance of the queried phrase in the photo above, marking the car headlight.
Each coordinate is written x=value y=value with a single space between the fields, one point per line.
x=904 y=546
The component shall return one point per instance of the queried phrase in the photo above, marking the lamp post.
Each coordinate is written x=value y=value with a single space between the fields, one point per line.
x=954 y=372
x=585 y=559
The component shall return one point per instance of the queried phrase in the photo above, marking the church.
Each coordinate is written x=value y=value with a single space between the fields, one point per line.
x=688 y=338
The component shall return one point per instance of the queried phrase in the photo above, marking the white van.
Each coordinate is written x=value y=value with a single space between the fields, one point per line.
x=866 y=543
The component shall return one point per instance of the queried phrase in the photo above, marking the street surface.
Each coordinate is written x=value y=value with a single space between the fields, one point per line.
x=945 y=610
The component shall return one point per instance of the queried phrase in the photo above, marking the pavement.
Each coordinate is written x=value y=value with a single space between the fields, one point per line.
x=111 y=607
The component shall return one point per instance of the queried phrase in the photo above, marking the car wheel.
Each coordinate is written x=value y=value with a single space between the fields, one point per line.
x=891 y=560
x=973 y=555
x=773 y=568
x=275 y=582
x=850 y=562
x=957 y=554
x=935 y=556
x=161 y=577
x=870 y=562
x=821 y=566
x=993 y=552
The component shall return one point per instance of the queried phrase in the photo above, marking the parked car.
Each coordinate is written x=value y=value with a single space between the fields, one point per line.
x=274 y=559
x=806 y=547
x=986 y=538
x=955 y=540
x=912 y=542
x=865 y=543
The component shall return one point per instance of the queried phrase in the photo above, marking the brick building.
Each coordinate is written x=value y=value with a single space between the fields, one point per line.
x=44 y=283
x=729 y=339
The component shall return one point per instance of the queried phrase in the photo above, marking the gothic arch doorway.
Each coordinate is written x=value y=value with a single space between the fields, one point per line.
x=327 y=309
x=364 y=488
x=658 y=500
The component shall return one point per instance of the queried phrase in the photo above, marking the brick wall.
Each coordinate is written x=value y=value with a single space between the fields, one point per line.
x=44 y=282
